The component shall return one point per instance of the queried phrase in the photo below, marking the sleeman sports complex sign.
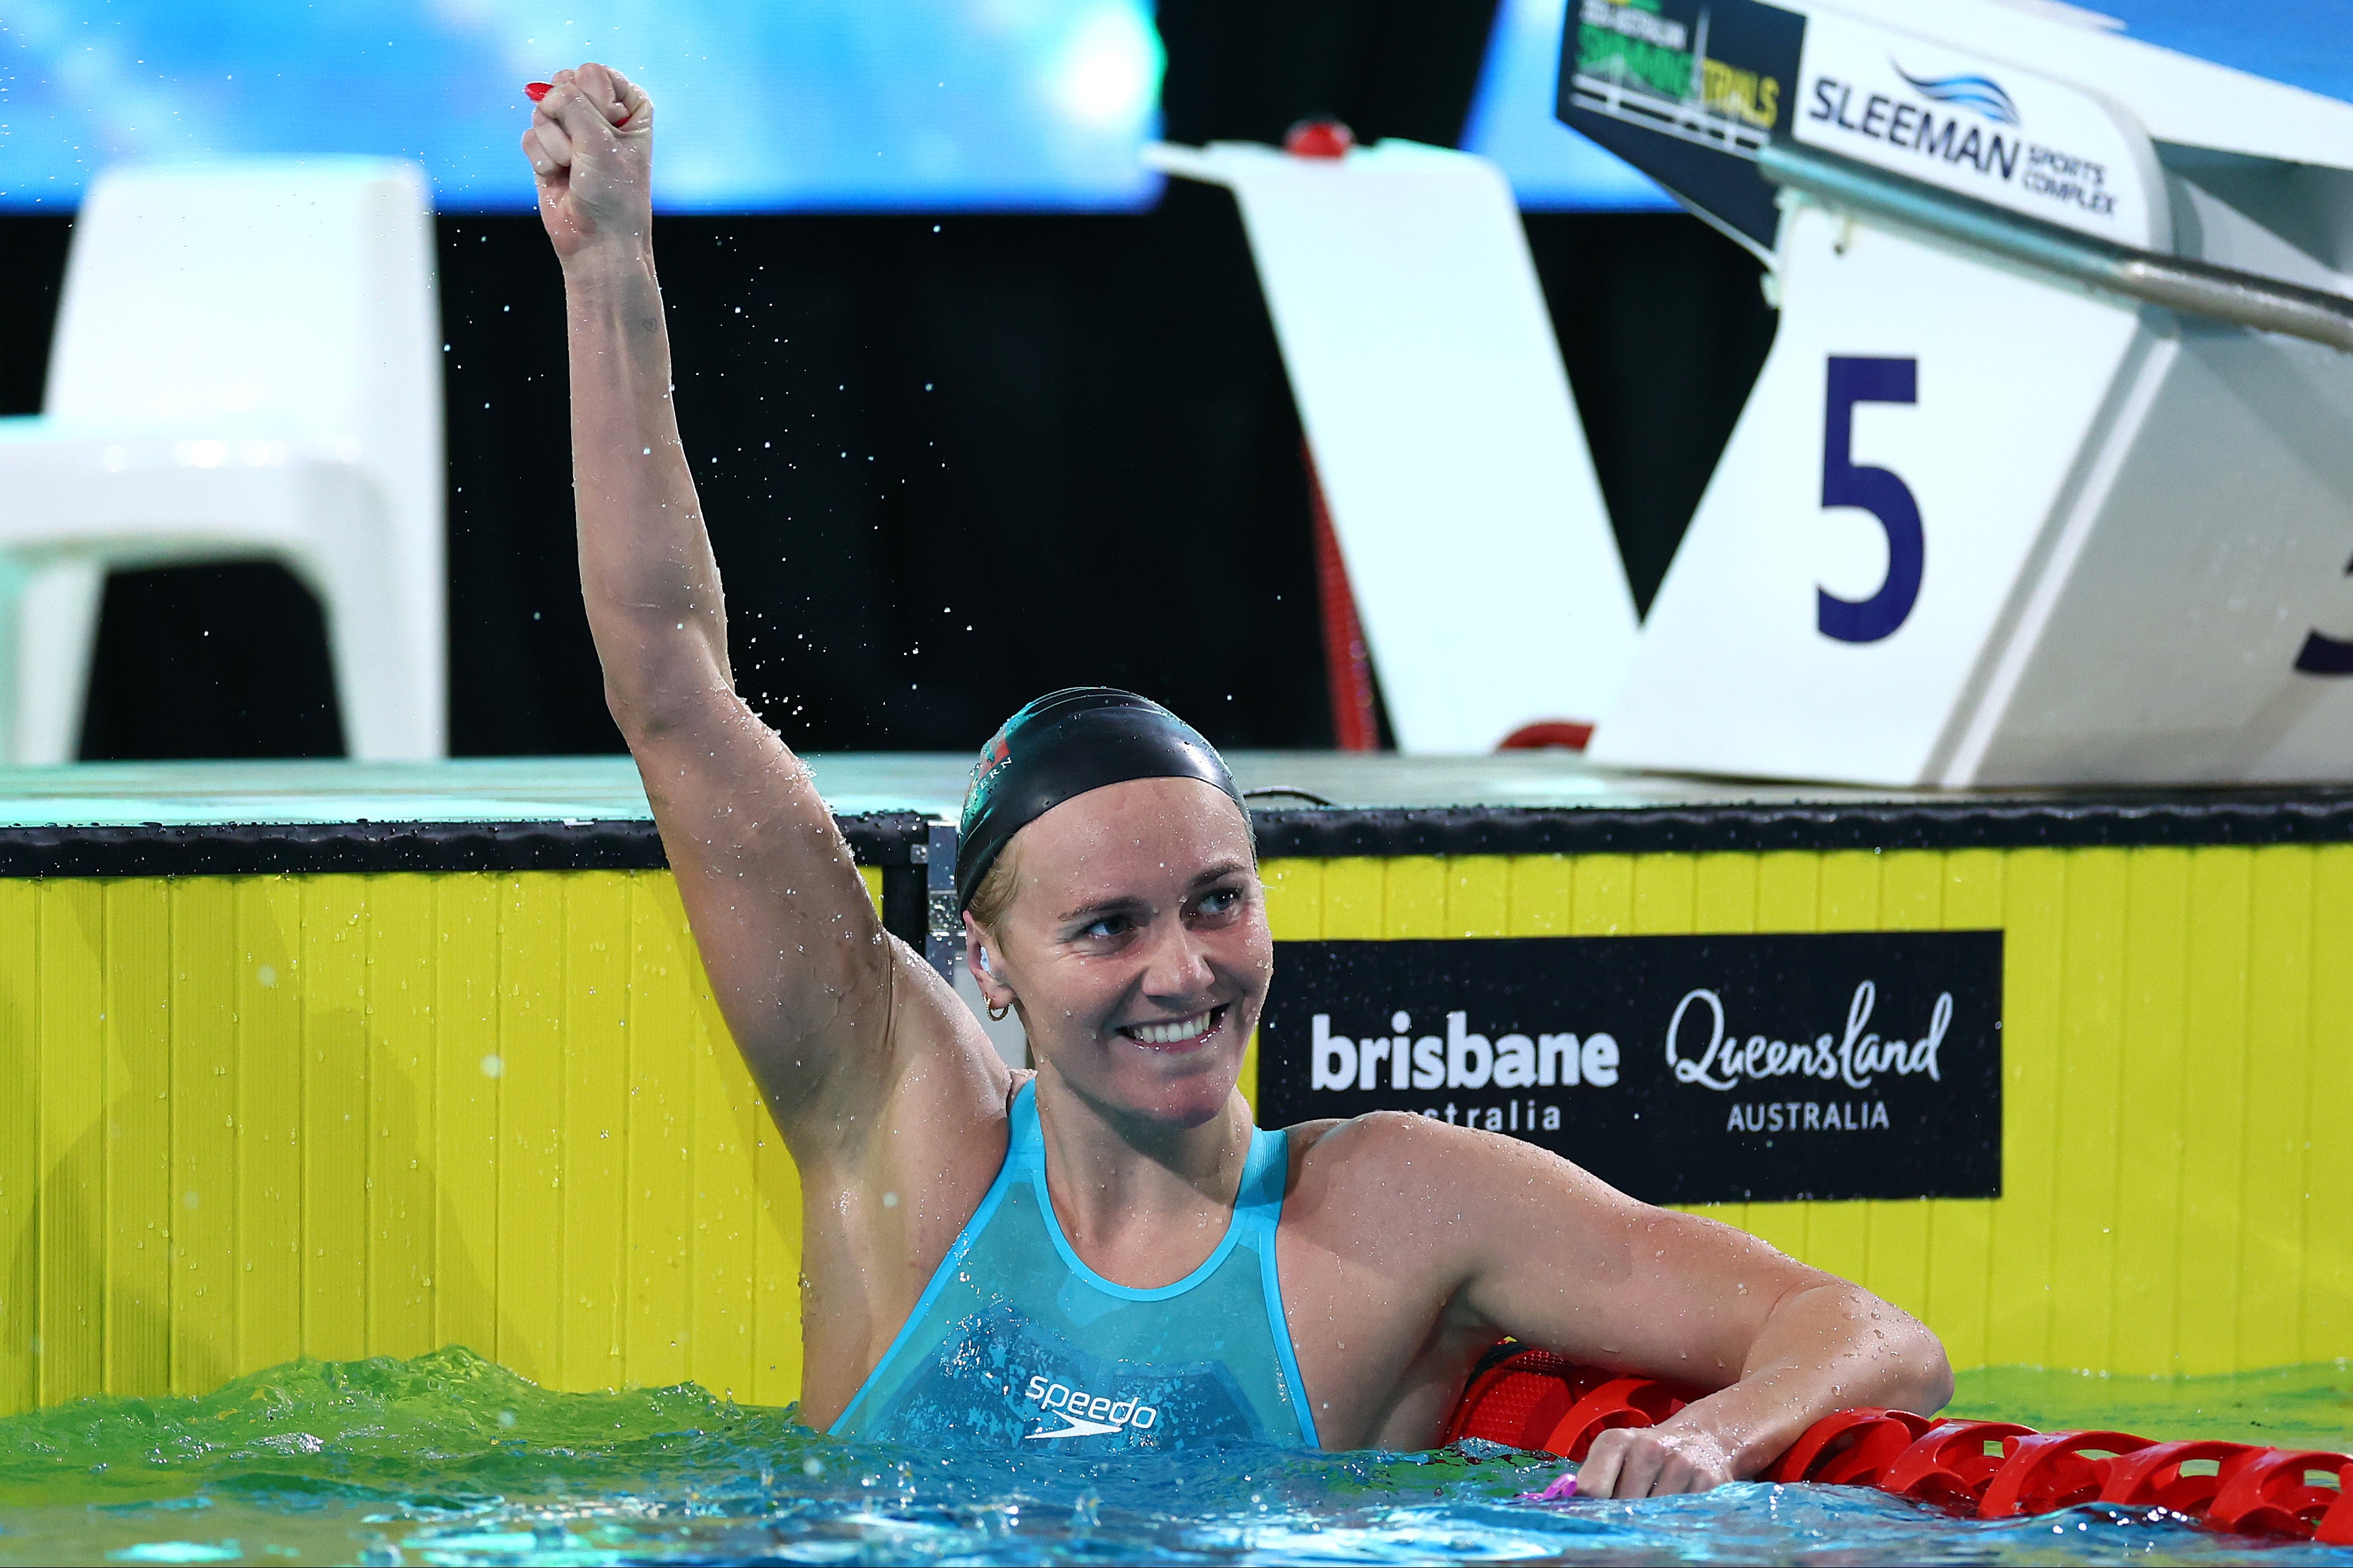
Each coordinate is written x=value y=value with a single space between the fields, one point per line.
x=1686 y=1069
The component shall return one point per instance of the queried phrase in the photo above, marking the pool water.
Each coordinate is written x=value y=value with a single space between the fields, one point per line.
x=449 y=1459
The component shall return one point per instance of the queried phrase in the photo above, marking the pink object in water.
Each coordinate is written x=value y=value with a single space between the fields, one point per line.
x=1563 y=1487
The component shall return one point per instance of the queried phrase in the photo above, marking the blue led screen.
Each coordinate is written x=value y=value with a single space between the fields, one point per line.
x=2305 y=43
x=815 y=105
x=827 y=105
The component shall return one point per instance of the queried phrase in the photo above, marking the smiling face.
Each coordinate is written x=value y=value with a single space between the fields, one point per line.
x=1135 y=944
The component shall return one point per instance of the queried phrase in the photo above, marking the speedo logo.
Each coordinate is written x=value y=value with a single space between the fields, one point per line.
x=1087 y=1415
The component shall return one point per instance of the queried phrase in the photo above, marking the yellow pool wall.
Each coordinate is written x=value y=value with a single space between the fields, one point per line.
x=246 y=1119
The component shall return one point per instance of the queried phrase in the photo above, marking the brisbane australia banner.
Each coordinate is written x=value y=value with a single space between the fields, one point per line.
x=1685 y=1069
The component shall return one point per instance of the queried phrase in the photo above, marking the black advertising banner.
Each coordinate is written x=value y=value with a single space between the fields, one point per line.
x=1686 y=91
x=1682 y=1069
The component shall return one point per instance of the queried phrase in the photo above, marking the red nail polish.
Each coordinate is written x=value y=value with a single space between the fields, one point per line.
x=535 y=90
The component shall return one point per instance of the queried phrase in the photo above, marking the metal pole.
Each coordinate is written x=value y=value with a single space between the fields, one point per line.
x=2192 y=288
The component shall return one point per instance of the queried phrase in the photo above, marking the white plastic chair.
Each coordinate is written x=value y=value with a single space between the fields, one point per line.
x=246 y=366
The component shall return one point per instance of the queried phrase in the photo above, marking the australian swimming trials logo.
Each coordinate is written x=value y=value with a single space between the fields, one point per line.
x=1087 y=1415
x=1689 y=90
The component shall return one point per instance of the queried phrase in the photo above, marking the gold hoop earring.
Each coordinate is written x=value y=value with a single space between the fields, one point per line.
x=997 y=1013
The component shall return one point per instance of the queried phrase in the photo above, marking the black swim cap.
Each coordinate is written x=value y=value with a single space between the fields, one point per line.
x=1065 y=744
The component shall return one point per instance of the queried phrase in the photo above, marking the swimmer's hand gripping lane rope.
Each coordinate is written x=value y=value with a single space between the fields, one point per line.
x=1991 y=1469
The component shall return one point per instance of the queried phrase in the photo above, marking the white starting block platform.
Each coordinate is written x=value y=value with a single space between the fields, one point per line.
x=2048 y=478
x=1443 y=433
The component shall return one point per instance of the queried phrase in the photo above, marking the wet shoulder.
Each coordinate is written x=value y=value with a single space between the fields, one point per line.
x=1394 y=1153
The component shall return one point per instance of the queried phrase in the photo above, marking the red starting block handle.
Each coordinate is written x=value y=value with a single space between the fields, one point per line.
x=1319 y=139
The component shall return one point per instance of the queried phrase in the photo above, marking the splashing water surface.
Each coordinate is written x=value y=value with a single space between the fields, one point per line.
x=449 y=1459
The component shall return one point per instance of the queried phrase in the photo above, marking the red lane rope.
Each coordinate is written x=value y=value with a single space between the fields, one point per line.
x=1988 y=1470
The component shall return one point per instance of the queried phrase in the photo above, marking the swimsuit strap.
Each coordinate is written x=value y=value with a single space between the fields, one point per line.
x=1257 y=1213
x=1024 y=1138
x=1258 y=1202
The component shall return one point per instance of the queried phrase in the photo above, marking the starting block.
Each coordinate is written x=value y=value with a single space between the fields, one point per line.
x=1443 y=433
x=2048 y=477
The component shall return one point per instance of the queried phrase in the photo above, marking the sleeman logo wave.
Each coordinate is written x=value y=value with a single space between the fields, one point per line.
x=1981 y=93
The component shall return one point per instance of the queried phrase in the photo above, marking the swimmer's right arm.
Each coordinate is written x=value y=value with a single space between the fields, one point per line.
x=821 y=1000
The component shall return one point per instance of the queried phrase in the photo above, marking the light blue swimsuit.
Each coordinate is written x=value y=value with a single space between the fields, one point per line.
x=1018 y=1344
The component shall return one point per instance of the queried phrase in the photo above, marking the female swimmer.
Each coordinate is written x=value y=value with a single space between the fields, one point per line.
x=1105 y=1254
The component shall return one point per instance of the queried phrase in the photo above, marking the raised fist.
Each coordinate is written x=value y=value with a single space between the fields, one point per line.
x=591 y=146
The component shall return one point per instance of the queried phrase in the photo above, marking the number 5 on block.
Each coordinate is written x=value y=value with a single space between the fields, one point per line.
x=1875 y=490
x=1975 y=527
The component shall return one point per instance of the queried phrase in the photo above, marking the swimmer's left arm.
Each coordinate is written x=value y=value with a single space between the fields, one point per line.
x=1825 y=1345
x=1559 y=1258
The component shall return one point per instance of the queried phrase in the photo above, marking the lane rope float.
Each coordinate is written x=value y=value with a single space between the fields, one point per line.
x=1532 y=1399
